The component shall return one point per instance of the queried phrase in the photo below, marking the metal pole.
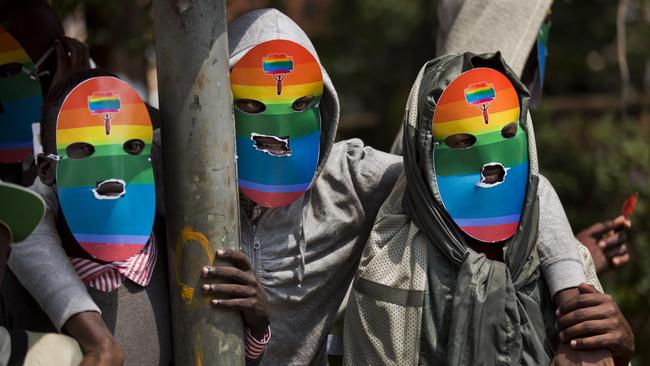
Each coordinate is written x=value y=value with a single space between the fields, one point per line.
x=201 y=199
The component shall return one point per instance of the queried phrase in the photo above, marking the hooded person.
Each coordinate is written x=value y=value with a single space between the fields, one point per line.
x=97 y=177
x=451 y=273
x=307 y=203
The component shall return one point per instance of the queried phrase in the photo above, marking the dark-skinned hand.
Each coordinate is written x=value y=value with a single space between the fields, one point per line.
x=592 y=320
x=238 y=288
x=94 y=337
x=71 y=56
x=606 y=242
x=567 y=356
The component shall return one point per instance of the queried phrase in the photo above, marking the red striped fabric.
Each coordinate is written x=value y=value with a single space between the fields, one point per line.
x=255 y=348
x=108 y=277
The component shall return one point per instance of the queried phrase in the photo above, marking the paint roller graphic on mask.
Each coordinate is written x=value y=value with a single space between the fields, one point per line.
x=480 y=95
x=104 y=104
x=278 y=66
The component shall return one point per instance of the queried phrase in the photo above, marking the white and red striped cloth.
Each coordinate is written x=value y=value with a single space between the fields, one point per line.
x=108 y=277
x=255 y=348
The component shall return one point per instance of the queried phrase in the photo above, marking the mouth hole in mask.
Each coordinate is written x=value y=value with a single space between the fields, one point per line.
x=492 y=174
x=110 y=189
x=272 y=145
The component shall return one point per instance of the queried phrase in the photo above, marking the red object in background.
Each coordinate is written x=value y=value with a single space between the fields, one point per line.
x=629 y=205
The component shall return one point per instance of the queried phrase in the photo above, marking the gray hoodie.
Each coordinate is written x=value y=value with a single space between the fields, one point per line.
x=306 y=253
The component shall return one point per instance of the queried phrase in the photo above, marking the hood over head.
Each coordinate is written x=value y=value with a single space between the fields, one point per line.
x=265 y=25
x=244 y=34
x=419 y=141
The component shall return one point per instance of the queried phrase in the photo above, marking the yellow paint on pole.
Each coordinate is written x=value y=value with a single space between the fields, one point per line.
x=186 y=237
x=198 y=354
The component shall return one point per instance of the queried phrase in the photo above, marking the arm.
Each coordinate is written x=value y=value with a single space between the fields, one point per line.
x=562 y=266
x=592 y=320
x=560 y=259
x=100 y=348
x=43 y=268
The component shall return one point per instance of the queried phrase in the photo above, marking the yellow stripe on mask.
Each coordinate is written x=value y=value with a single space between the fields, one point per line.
x=18 y=56
x=269 y=95
x=475 y=125
x=97 y=135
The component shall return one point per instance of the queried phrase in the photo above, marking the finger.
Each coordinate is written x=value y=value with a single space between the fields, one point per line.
x=579 y=316
x=234 y=303
x=613 y=240
x=85 y=56
x=616 y=252
x=62 y=58
x=229 y=290
x=586 y=329
x=619 y=261
x=627 y=224
x=620 y=221
x=236 y=257
x=601 y=228
x=585 y=288
x=228 y=273
x=581 y=301
x=76 y=49
x=597 y=341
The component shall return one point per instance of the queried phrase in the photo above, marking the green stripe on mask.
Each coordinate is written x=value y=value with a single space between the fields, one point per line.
x=87 y=172
x=18 y=87
x=508 y=152
x=284 y=108
x=485 y=139
x=294 y=124
x=109 y=150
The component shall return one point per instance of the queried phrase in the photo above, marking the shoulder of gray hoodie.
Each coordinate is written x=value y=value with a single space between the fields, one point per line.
x=305 y=254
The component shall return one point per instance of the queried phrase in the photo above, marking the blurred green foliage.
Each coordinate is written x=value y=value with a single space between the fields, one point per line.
x=595 y=156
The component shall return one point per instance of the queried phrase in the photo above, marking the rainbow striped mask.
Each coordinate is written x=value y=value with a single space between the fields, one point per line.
x=277 y=87
x=21 y=99
x=104 y=178
x=480 y=154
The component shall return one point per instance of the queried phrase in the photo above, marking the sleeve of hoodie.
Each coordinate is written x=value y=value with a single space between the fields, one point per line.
x=43 y=268
x=372 y=173
x=560 y=258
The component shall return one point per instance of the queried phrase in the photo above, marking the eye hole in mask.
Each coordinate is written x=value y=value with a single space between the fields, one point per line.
x=302 y=103
x=250 y=106
x=460 y=141
x=10 y=69
x=79 y=150
x=134 y=146
x=510 y=130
